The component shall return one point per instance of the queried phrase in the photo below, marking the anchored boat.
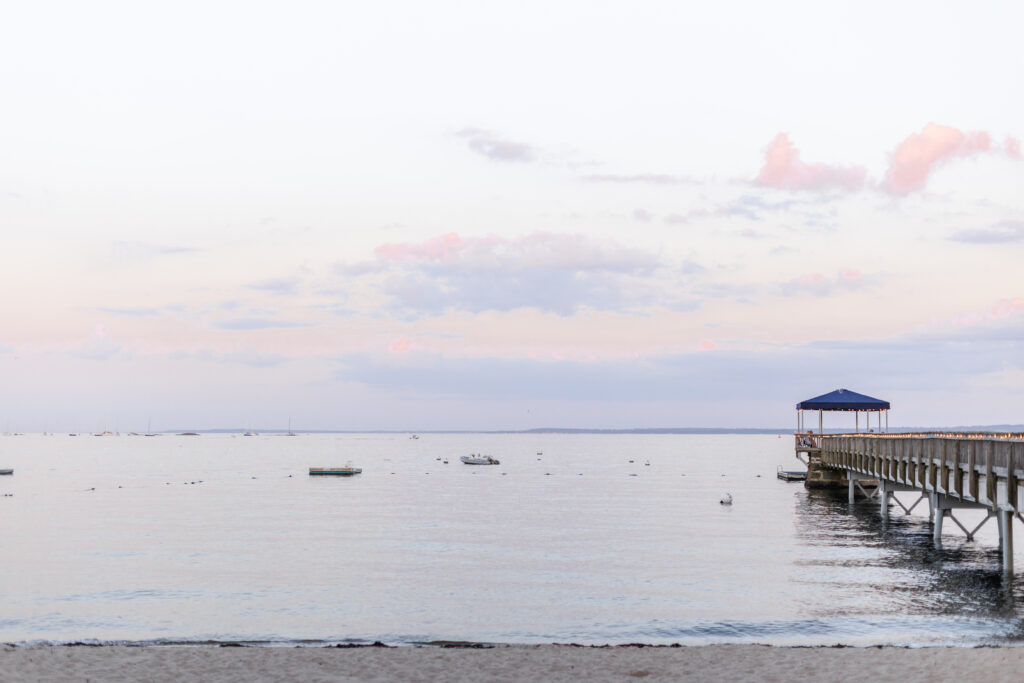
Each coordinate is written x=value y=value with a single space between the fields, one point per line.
x=347 y=471
x=476 y=459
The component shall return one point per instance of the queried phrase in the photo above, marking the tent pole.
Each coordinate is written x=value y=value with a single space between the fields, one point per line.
x=819 y=422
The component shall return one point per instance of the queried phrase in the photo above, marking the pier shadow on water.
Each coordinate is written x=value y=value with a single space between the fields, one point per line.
x=859 y=564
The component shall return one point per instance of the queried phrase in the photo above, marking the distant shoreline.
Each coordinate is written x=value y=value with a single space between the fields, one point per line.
x=583 y=430
x=417 y=432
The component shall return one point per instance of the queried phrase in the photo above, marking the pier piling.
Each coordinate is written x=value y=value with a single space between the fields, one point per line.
x=1006 y=536
x=883 y=500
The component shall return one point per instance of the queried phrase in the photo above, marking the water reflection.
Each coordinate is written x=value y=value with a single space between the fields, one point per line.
x=872 y=566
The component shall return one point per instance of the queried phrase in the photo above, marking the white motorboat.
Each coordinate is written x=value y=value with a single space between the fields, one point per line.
x=477 y=459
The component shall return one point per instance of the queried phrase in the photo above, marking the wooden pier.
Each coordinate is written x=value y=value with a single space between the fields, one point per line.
x=951 y=470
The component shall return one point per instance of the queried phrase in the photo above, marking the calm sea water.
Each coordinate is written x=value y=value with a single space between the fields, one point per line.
x=220 y=537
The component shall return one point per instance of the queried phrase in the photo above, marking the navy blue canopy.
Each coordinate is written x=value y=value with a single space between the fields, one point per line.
x=843 y=399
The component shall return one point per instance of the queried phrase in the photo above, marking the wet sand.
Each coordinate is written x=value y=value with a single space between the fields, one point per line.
x=732 y=663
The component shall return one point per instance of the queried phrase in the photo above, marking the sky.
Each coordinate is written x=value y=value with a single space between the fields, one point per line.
x=485 y=215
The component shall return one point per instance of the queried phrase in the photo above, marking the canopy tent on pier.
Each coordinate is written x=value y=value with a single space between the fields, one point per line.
x=844 y=400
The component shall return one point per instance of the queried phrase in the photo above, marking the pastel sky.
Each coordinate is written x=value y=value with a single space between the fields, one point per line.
x=455 y=215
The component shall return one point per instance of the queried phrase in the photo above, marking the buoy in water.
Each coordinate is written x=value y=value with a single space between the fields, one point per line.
x=726 y=499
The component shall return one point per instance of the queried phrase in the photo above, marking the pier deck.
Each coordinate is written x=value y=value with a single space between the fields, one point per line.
x=981 y=470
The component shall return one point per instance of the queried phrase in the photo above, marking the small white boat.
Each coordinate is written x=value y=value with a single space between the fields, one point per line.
x=476 y=459
x=726 y=499
x=347 y=471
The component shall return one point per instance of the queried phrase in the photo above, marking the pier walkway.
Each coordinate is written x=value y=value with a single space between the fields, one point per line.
x=950 y=470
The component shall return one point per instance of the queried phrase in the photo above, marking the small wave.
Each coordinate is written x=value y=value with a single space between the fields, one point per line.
x=866 y=631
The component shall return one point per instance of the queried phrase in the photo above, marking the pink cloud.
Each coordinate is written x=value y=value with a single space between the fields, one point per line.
x=966 y=320
x=820 y=284
x=784 y=169
x=1012 y=147
x=706 y=345
x=1002 y=309
x=811 y=279
x=400 y=345
x=1006 y=308
x=443 y=249
x=914 y=158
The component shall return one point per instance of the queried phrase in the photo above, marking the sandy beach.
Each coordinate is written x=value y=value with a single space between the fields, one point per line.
x=505 y=663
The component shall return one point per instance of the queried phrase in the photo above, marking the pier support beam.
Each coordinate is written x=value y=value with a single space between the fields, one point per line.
x=938 y=514
x=883 y=500
x=1005 y=517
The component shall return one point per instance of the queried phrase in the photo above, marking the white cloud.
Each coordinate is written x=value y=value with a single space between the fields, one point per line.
x=549 y=272
x=495 y=147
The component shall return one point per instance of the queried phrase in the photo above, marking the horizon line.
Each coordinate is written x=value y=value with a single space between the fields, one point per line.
x=548 y=430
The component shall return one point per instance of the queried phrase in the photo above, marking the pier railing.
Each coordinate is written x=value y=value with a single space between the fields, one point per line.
x=980 y=468
x=805 y=442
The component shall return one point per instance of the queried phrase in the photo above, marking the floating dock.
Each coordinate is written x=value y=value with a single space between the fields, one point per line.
x=790 y=475
x=346 y=471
